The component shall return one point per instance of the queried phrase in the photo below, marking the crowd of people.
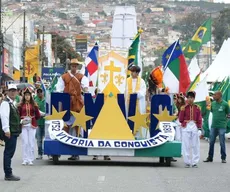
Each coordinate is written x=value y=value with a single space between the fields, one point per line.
x=22 y=112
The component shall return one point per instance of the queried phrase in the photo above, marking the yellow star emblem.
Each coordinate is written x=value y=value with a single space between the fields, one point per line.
x=140 y=120
x=177 y=47
x=167 y=56
x=164 y=116
x=56 y=115
x=81 y=118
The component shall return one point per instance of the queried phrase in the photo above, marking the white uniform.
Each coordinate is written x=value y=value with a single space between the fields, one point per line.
x=28 y=143
x=190 y=138
x=141 y=94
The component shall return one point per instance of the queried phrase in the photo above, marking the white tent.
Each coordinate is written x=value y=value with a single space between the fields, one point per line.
x=193 y=69
x=219 y=69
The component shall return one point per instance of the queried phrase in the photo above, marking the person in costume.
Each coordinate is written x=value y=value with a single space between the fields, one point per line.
x=179 y=103
x=75 y=84
x=154 y=82
x=29 y=114
x=220 y=112
x=40 y=132
x=136 y=85
x=191 y=122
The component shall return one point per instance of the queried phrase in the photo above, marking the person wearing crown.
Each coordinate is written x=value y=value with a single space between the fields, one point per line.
x=29 y=114
x=191 y=122
x=136 y=85
x=75 y=84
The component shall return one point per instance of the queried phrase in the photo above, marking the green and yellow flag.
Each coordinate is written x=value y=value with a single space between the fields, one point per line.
x=133 y=50
x=202 y=36
x=224 y=89
x=194 y=84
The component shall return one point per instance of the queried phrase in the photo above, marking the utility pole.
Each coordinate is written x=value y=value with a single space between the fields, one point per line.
x=1 y=42
x=24 y=48
x=55 y=50
x=43 y=45
x=210 y=41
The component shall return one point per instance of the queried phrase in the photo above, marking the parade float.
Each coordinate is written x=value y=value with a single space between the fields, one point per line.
x=108 y=132
x=111 y=124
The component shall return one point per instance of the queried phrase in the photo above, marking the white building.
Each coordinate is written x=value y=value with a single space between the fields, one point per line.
x=85 y=16
x=14 y=25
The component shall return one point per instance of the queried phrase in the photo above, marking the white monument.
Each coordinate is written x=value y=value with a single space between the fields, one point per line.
x=124 y=27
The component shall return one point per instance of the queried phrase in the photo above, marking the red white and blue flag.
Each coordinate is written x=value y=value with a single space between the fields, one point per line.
x=91 y=66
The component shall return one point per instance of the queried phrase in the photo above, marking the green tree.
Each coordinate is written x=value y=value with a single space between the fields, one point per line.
x=64 y=49
x=62 y=15
x=221 y=28
x=79 y=21
x=189 y=24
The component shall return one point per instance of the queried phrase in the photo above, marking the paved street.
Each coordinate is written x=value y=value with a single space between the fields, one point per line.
x=46 y=177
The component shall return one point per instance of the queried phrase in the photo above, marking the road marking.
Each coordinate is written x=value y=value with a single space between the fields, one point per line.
x=101 y=179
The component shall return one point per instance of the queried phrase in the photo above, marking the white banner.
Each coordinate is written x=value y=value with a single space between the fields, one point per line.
x=167 y=134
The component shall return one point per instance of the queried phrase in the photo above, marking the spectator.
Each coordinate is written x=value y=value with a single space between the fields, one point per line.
x=40 y=132
x=220 y=111
x=11 y=127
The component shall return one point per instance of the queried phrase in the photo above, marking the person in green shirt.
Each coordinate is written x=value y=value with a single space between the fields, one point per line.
x=220 y=112
x=18 y=97
x=40 y=132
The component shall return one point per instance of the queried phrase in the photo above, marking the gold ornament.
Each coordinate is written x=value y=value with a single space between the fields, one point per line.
x=164 y=116
x=81 y=118
x=140 y=120
x=56 y=115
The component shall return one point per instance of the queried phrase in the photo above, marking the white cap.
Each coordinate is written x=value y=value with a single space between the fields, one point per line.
x=12 y=86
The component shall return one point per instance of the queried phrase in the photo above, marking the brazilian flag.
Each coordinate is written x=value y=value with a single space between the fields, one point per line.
x=133 y=50
x=202 y=36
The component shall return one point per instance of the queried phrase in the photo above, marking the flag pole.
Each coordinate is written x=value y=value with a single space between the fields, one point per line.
x=210 y=40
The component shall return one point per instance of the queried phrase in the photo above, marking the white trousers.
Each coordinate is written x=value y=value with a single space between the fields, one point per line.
x=190 y=140
x=28 y=143
x=178 y=131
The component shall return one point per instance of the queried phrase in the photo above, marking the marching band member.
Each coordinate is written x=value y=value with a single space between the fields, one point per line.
x=29 y=113
x=191 y=122
x=73 y=83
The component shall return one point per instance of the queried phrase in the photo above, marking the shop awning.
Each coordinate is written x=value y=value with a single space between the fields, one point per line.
x=6 y=77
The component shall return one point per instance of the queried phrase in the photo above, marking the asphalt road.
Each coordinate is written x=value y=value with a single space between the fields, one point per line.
x=137 y=177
